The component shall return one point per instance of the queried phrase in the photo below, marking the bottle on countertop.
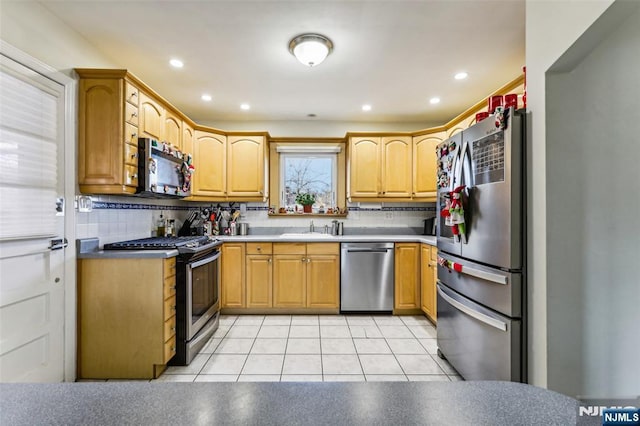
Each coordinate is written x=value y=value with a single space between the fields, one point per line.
x=161 y=226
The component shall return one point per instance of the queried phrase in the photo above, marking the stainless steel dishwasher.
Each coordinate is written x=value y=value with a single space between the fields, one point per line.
x=366 y=277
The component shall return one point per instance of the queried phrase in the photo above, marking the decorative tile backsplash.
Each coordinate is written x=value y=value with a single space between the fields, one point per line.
x=116 y=218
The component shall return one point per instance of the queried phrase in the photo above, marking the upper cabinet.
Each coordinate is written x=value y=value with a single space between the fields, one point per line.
x=380 y=167
x=107 y=132
x=424 y=164
x=187 y=138
x=245 y=166
x=209 y=154
x=172 y=129
x=151 y=118
x=228 y=168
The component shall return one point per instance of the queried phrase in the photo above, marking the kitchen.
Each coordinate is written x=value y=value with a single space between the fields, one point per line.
x=546 y=346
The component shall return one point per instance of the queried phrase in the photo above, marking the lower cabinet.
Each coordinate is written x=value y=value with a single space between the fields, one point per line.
x=429 y=278
x=407 y=276
x=282 y=276
x=126 y=317
x=233 y=275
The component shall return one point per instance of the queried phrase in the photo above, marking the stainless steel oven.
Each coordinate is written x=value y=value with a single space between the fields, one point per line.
x=197 y=299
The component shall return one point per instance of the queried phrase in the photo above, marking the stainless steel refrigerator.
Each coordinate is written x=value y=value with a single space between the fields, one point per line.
x=481 y=249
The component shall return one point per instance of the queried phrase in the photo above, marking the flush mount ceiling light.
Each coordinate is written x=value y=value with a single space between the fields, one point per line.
x=310 y=49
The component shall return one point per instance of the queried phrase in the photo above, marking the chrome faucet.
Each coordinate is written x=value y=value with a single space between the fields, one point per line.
x=311 y=227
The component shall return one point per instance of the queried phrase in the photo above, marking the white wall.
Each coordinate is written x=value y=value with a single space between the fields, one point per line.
x=575 y=323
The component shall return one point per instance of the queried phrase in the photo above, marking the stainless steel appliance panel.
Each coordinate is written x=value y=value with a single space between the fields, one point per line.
x=479 y=343
x=494 y=288
x=445 y=238
x=366 y=277
x=492 y=168
x=202 y=292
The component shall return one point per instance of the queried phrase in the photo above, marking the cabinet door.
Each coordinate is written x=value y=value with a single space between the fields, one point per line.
x=407 y=276
x=187 y=138
x=289 y=288
x=425 y=164
x=323 y=281
x=364 y=167
x=210 y=162
x=427 y=284
x=259 y=281
x=232 y=275
x=151 y=118
x=100 y=127
x=396 y=166
x=245 y=166
x=173 y=129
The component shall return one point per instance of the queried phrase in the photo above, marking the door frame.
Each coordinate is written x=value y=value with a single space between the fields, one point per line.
x=70 y=177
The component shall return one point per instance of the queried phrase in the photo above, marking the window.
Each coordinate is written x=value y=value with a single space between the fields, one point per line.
x=314 y=173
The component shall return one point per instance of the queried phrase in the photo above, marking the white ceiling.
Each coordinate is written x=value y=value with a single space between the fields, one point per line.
x=394 y=55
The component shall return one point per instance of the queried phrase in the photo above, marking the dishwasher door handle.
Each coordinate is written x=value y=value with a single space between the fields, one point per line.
x=367 y=250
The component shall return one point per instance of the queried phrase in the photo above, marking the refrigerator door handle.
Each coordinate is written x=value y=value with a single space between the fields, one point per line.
x=472 y=313
x=488 y=276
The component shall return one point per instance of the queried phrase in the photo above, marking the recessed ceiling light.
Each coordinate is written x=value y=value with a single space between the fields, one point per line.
x=176 y=63
x=366 y=107
x=245 y=107
x=434 y=100
x=206 y=97
x=461 y=75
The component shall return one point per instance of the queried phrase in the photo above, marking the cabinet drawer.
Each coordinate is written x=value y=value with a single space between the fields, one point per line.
x=169 y=287
x=131 y=113
x=169 y=307
x=259 y=248
x=131 y=175
x=131 y=93
x=289 y=248
x=169 y=267
x=434 y=254
x=323 y=248
x=169 y=349
x=169 y=328
x=131 y=154
x=131 y=134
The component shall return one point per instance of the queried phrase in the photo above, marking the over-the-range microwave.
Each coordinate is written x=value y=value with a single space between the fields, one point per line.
x=160 y=173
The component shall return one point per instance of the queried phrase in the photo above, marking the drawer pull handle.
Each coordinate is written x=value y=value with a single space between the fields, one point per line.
x=173 y=329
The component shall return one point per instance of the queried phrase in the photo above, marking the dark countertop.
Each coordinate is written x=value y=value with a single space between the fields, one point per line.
x=390 y=403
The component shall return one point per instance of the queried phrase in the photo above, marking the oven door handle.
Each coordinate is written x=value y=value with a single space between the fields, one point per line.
x=204 y=261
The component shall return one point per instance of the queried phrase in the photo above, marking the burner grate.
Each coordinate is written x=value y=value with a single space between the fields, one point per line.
x=156 y=243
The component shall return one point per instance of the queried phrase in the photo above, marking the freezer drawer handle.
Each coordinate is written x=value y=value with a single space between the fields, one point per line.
x=475 y=314
x=463 y=269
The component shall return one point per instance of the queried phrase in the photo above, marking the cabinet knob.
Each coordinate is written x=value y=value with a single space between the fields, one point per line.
x=259 y=248
x=304 y=260
x=270 y=260
x=173 y=329
x=261 y=192
x=173 y=308
x=308 y=260
x=134 y=114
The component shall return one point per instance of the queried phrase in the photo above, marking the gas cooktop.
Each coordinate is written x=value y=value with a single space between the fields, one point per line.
x=159 y=243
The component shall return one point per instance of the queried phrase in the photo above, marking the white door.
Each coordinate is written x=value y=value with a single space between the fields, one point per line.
x=32 y=277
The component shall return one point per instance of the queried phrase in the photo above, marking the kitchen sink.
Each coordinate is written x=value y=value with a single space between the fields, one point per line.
x=305 y=235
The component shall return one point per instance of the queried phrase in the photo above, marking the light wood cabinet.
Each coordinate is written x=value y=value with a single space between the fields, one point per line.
x=259 y=264
x=187 y=138
x=425 y=164
x=172 y=129
x=428 y=277
x=289 y=289
x=233 y=275
x=365 y=174
x=396 y=166
x=151 y=118
x=245 y=166
x=380 y=167
x=126 y=317
x=209 y=159
x=107 y=132
x=282 y=276
x=407 y=276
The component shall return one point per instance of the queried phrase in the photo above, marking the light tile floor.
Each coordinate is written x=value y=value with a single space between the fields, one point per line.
x=318 y=348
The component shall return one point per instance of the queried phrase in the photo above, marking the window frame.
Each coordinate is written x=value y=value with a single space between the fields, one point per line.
x=309 y=155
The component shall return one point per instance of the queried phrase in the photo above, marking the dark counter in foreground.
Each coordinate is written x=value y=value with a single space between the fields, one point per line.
x=391 y=403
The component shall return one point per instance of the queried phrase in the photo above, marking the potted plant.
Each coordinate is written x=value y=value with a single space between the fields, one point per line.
x=306 y=200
